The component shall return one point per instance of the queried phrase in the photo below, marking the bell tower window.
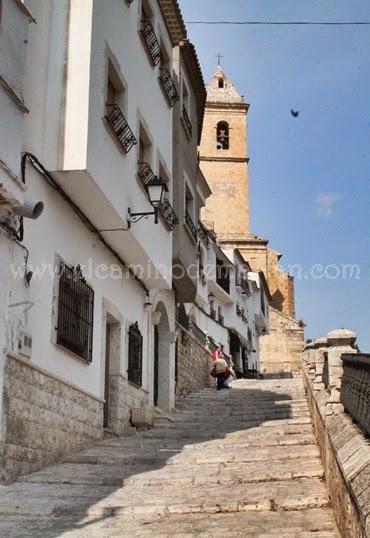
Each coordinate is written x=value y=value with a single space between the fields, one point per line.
x=223 y=139
x=220 y=82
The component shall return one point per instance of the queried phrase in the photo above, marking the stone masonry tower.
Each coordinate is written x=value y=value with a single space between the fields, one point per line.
x=224 y=162
x=223 y=154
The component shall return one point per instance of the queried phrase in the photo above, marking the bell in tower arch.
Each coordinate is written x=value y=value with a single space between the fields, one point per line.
x=223 y=139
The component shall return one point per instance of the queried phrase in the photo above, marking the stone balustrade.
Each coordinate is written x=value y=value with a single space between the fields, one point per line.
x=345 y=448
x=355 y=389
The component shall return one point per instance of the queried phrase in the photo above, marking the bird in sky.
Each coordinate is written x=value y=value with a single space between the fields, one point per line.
x=294 y=113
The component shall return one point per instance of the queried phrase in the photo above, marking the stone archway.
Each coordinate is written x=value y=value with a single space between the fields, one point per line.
x=162 y=378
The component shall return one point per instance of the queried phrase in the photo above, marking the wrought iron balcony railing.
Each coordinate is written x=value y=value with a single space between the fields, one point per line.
x=190 y=224
x=355 y=389
x=168 y=214
x=169 y=87
x=145 y=173
x=187 y=121
x=120 y=128
x=151 y=42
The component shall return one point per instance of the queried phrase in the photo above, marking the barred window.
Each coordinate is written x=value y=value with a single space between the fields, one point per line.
x=135 y=355
x=75 y=312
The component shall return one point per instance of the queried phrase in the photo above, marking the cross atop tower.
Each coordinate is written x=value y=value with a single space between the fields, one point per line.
x=219 y=56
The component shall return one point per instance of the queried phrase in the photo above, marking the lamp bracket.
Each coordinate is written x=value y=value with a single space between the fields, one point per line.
x=135 y=217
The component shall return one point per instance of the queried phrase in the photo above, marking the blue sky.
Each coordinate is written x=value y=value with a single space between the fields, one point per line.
x=310 y=176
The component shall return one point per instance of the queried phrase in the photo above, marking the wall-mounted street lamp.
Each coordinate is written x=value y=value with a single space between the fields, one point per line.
x=155 y=189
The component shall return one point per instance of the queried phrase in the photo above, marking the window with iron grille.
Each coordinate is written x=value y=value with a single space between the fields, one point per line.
x=75 y=312
x=135 y=355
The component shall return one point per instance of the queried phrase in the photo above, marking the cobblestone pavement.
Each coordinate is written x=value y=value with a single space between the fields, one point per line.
x=235 y=463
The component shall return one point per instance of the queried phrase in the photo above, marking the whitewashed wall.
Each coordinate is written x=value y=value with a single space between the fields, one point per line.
x=71 y=97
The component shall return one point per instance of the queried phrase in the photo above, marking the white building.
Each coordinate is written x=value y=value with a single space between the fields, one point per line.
x=231 y=306
x=97 y=326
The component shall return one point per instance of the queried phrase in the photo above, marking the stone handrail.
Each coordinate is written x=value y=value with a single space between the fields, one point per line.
x=355 y=389
x=335 y=402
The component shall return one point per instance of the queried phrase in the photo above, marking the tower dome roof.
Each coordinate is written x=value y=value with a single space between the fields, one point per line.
x=221 y=90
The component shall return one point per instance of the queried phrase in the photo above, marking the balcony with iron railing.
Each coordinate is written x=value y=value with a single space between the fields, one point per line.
x=151 y=42
x=168 y=214
x=169 y=87
x=119 y=127
x=145 y=173
x=187 y=122
x=191 y=226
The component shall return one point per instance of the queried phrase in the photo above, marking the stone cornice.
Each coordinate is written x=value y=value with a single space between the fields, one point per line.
x=226 y=105
x=241 y=241
x=226 y=159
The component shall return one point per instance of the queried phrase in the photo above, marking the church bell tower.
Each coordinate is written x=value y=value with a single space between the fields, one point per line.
x=224 y=160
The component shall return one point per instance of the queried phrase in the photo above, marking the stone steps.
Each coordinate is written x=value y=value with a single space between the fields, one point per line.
x=242 y=462
x=313 y=523
x=115 y=475
x=67 y=500
x=209 y=431
x=193 y=458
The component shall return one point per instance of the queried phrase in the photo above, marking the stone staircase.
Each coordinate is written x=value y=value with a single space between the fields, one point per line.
x=235 y=463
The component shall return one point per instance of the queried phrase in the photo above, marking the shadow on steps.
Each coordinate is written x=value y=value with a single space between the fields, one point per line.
x=220 y=441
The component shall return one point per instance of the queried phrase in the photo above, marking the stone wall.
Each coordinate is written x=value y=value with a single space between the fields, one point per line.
x=344 y=448
x=281 y=284
x=194 y=363
x=123 y=396
x=281 y=349
x=43 y=419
